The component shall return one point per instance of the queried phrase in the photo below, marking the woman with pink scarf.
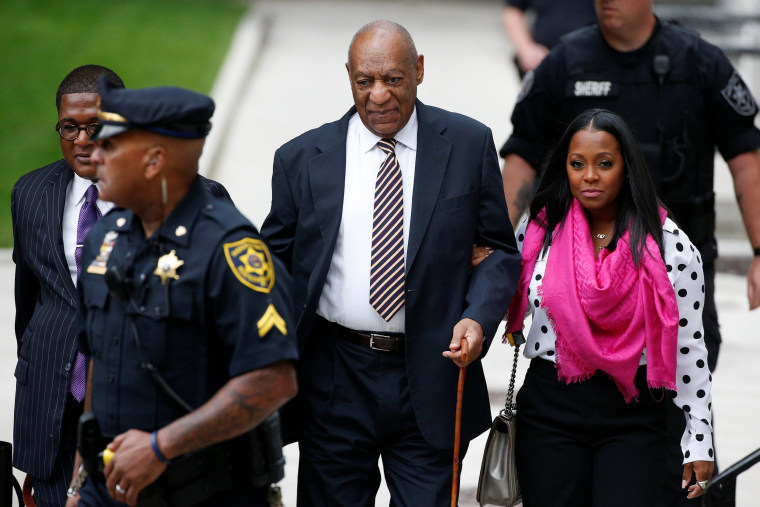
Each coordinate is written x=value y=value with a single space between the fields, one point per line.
x=615 y=290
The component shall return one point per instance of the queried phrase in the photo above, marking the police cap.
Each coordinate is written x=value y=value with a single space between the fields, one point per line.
x=165 y=110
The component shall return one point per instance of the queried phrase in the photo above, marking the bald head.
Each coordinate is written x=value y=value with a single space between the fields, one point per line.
x=175 y=158
x=391 y=29
x=183 y=155
x=384 y=71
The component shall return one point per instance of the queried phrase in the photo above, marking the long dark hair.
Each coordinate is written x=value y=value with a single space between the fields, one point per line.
x=637 y=202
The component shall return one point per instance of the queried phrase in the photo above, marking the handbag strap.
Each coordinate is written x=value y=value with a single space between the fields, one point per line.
x=515 y=339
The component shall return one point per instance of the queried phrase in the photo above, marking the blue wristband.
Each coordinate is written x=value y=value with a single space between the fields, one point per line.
x=155 y=448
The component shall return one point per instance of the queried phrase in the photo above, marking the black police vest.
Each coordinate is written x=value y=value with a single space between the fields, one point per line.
x=657 y=90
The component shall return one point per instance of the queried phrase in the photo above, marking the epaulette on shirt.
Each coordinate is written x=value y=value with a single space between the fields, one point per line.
x=118 y=219
x=226 y=215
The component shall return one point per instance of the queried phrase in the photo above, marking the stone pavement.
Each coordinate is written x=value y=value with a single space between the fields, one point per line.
x=285 y=74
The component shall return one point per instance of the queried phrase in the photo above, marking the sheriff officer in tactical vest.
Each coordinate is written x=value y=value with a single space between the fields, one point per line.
x=185 y=316
x=683 y=99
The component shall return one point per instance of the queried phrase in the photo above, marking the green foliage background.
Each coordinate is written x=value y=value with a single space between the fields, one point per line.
x=147 y=42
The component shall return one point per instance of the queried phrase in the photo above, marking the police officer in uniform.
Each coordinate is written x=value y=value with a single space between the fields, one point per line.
x=180 y=289
x=683 y=99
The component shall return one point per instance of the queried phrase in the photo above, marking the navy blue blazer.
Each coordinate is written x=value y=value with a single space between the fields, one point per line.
x=46 y=300
x=457 y=201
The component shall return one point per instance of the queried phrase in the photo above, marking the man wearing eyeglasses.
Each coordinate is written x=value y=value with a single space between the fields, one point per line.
x=46 y=205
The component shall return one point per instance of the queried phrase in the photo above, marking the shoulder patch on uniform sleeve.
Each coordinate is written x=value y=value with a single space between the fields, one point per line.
x=738 y=96
x=526 y=85
x=269 y=320
x=251 y=263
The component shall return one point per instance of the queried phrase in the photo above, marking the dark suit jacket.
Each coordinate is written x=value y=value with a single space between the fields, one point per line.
x=457 y=201
x=46 y=302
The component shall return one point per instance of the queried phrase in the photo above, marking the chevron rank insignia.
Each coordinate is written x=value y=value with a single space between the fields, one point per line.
x=251 y=263
x=271 y=319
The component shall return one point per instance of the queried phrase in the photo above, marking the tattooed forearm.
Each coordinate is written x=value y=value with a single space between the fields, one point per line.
x=524 y=196
x=239 y=406
x=518 y=177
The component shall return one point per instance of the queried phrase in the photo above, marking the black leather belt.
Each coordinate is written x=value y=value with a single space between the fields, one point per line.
x=386 y=342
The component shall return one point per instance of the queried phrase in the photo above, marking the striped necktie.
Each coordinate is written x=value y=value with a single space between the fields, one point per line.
x=386 y=287
x=89 y=214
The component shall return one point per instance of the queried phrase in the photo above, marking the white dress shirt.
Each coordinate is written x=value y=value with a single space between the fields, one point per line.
x=345 y=296
x=74 y=199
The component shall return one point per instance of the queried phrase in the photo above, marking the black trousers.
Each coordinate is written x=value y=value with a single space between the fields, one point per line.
x=356 y=409
x=582 y=445
x=95 y=494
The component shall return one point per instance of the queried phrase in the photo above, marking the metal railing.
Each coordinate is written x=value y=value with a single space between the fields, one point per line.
x=726 y=481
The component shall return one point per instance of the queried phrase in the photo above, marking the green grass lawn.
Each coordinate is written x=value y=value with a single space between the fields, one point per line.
x=147 y=42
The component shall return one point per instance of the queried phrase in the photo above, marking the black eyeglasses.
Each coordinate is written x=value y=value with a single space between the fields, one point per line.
x=70 y=131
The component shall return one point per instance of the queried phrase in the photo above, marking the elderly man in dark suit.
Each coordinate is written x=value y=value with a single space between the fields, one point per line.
x=376 y=215
x=52 y=209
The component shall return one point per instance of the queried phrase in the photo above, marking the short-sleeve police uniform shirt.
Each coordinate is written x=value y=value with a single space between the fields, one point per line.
x=554 y=18
x=207 y=299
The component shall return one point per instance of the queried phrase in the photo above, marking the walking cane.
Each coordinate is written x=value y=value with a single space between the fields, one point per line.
x=458 y=422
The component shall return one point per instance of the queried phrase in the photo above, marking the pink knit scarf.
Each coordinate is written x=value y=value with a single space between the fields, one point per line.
x=604 y=310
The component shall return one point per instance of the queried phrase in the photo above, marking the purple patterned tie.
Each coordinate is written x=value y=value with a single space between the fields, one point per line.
x=88 y=216
x=386 y=283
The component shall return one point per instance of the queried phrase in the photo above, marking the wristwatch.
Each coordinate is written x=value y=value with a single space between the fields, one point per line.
x=78 y=482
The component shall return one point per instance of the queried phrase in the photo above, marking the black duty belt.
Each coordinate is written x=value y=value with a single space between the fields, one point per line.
x=386 y=342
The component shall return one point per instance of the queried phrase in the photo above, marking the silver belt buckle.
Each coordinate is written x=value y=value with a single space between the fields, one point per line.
x=372 y=337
